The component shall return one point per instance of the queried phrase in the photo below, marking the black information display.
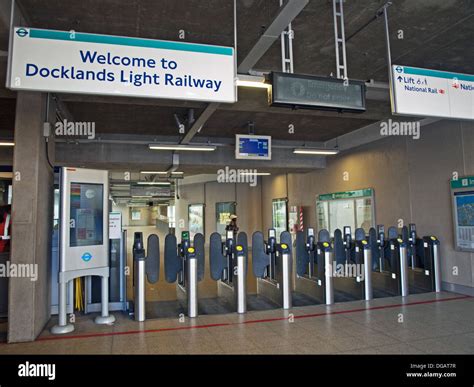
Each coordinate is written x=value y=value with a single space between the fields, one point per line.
x=311 y=92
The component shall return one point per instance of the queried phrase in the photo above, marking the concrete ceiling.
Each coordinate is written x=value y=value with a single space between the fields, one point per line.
x=437 y=34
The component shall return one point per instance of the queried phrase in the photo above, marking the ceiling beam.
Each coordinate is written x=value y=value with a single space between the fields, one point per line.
x=198 y=124
x=286 y=15
x=371 y=133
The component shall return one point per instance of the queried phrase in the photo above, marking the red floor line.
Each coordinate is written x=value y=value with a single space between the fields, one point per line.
x=327 y=313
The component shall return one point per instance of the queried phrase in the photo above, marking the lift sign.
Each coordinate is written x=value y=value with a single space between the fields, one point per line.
x=432 y=93
x=74 y=62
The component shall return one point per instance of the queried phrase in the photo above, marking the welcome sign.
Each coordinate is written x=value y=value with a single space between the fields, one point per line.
x=73 y=62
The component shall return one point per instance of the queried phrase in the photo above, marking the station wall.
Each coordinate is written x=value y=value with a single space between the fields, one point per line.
x=411 y=182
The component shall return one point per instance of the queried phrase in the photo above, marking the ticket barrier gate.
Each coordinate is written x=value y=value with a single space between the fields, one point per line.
x=312 y=260
x=385 y=278
x=184 y=264
x=272 y=265
x=424 y=265
x=310 y=265
x=229 y=263
x=348 y=277
x=145 y=266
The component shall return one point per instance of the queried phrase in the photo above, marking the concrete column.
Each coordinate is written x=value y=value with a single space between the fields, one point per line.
x=32 y=219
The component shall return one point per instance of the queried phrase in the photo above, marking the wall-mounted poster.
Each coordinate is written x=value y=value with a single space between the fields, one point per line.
x=462 y=196
x=223 y=212
x=195 y=219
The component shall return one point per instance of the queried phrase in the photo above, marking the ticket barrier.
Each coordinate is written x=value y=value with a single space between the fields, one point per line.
x=310 y=265
x=385 y=277
x=229 y=262
x=312 y=259
x=424 y=266
x=145 y=267
x=184 y=264
x=348 y=275
x=272 y=265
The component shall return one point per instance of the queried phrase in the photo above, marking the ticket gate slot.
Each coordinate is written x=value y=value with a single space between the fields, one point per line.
x=184 y=264
x=272 y=265
x=228 y=261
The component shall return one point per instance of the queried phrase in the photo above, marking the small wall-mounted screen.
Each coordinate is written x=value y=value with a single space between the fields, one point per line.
x=253 y=147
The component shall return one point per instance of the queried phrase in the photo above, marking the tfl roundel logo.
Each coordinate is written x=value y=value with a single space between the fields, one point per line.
x=86 y=257
x=22 y=32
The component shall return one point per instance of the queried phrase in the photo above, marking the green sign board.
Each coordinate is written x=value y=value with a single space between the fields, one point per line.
x=347 y=194
x=463 y=182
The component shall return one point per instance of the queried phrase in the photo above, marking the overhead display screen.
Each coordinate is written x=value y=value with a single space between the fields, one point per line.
x=253 y=147
x=311 y=92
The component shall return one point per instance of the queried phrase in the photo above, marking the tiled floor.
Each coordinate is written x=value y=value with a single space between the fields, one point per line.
x=425 y=323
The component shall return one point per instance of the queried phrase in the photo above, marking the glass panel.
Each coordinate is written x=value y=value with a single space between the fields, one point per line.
x=196 y=219
x=279 y=216
x=322 y=215
x=86 y=211
x=341 y=213
x=364 y=214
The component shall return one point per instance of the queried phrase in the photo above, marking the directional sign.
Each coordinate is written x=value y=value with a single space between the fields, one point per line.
x=432 y=93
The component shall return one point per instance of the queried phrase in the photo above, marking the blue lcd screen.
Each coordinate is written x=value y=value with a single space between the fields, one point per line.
x=253 y=147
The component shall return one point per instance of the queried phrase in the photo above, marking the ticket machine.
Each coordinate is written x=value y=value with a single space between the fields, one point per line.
x=84 y=240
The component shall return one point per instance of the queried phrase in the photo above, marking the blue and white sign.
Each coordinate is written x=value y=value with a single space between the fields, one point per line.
x=432 y=93
x=74 y=62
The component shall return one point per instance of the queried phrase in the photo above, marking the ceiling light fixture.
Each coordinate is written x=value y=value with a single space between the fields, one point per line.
x=7 y=143
x=179 y=147
x=153 y=183
x=254 y=173
x=252 y=81
x=315 y=151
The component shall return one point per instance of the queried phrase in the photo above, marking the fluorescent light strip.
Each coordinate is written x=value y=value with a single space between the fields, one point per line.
x=255 y=174
x=178 y=147
x=259 y=85
x=314 y=151
x=7 y=143
x=161 y=173
x=153 y=183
